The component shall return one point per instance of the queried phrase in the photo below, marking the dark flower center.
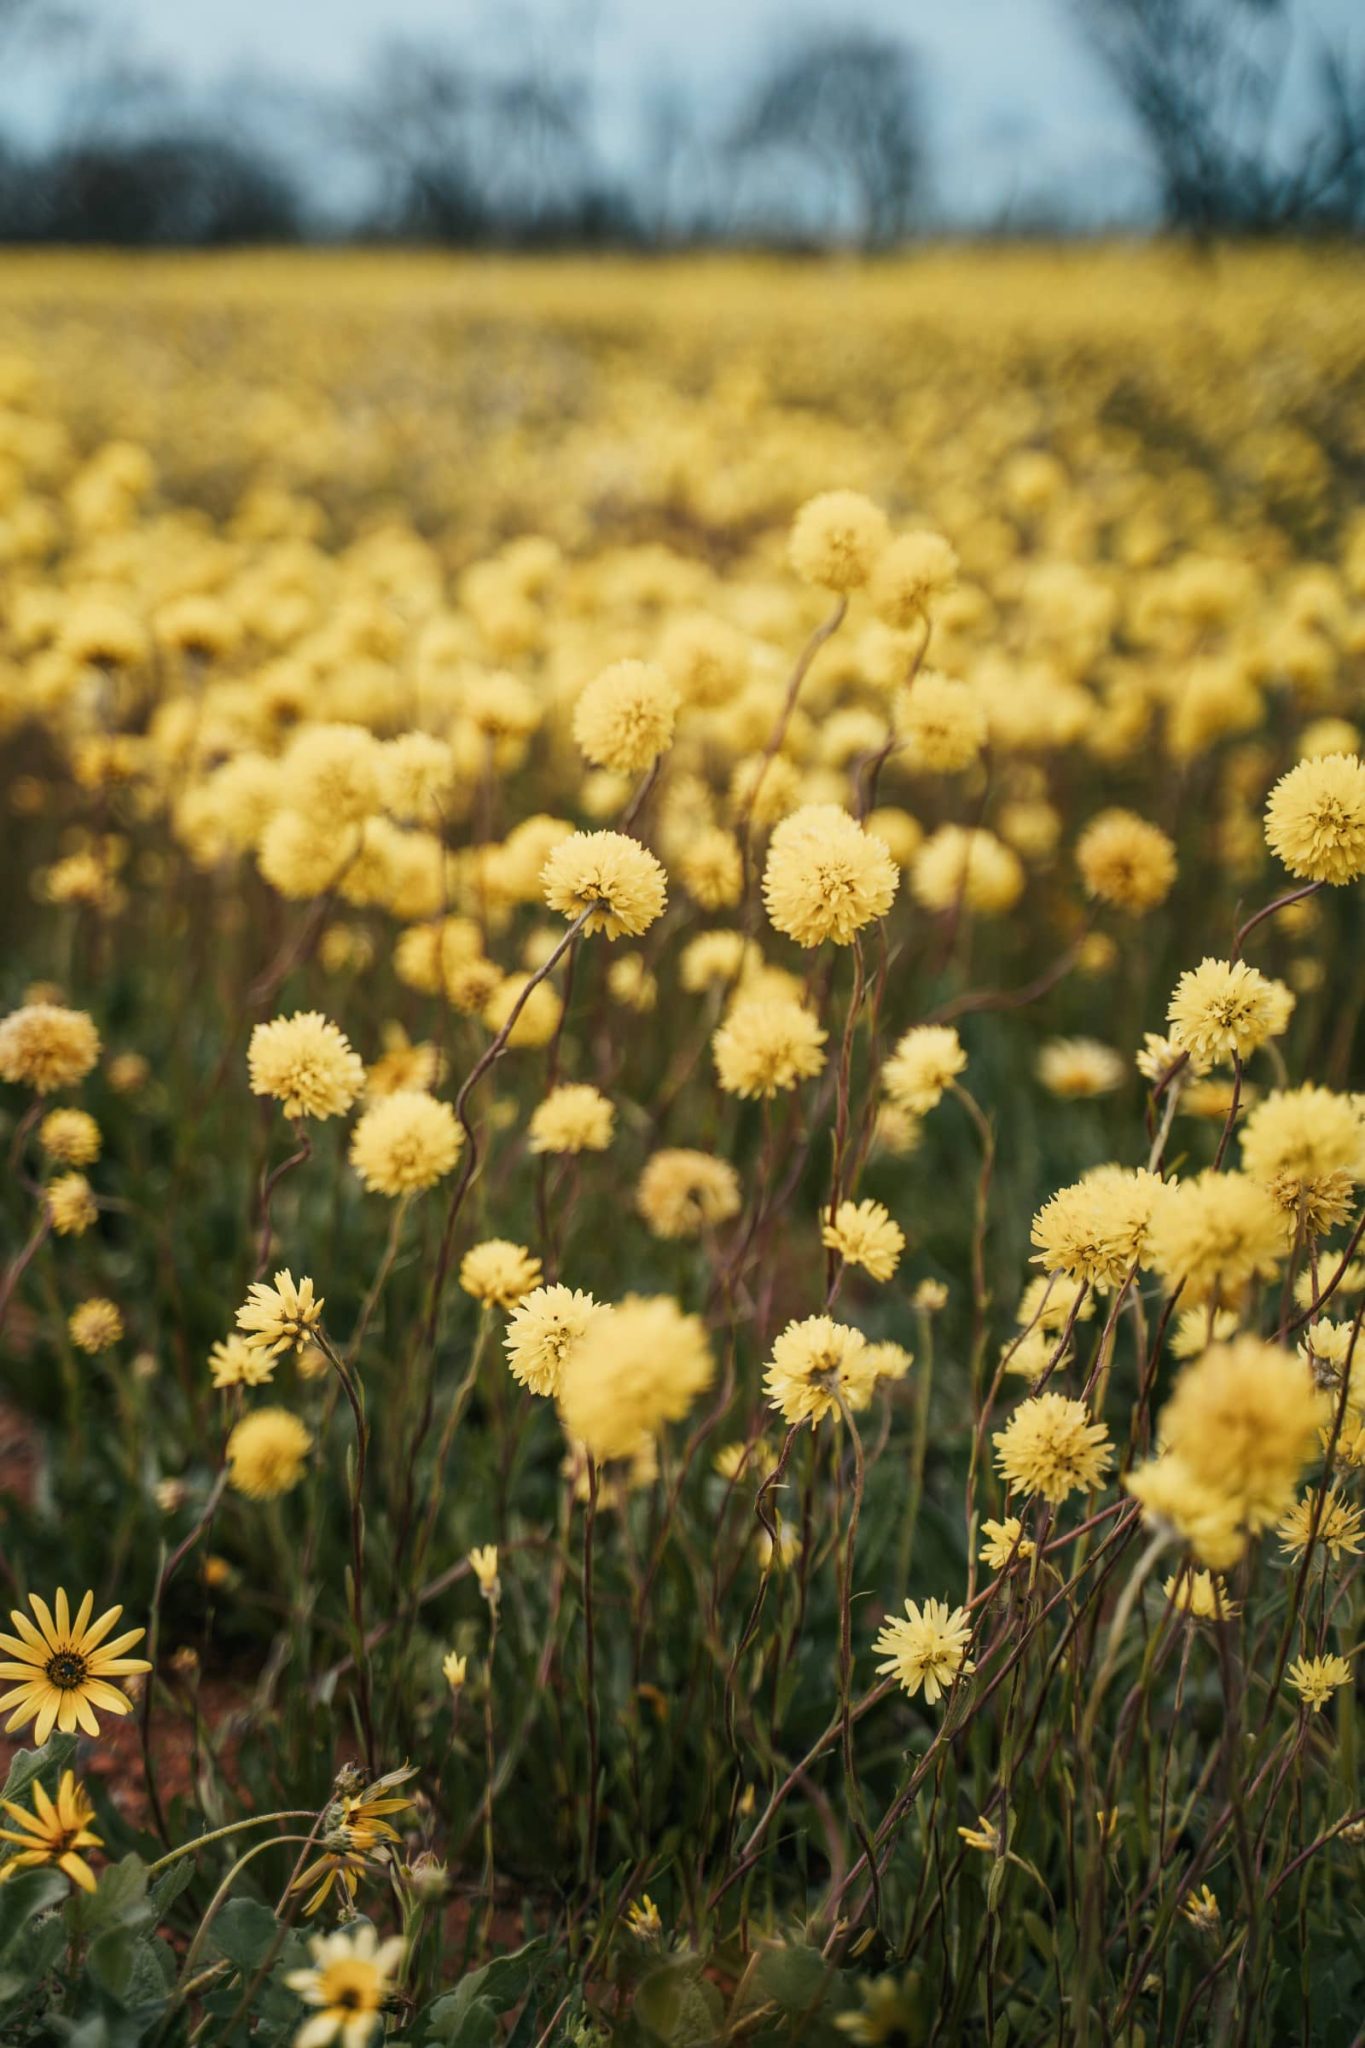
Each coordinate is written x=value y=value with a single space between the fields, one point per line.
x=67 y=1670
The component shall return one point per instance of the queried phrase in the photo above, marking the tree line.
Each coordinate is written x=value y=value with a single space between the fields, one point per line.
x=827 y=143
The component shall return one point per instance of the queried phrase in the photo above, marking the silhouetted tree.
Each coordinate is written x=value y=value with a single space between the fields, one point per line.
x=842 y=107
x=1203 y=80
x=164 y=190
x=467 y=155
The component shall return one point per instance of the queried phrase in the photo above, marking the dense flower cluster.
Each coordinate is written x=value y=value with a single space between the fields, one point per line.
x=815 y=868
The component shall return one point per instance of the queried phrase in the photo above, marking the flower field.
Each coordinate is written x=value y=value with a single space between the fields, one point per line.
x=680 y=1022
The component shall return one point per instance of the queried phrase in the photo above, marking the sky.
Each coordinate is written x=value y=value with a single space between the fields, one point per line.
x=1018 y=108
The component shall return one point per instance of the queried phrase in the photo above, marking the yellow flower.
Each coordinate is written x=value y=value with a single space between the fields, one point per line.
x=826 y=877
x=1315 y=1679
x=836 y=540
x=926 y=1060
x=64 y=1667
x=47 y=1046
x=70 y=1136
x=910 y=572
x=1338 y=1525
x=498 y=1273
x=575 y=1117
x=624 y=719
x=70 y=1204
x=346 y=1984
x=545 y=1327
x=985 y=1836
x=639 y=1367
x=767 y=1044
x=613 y=877
x=55 y=1832
x=928 y=1648
x=306 y=1064
x=1202 y=1595
x=1125 y=861
x=683 y=1193
x=95 y=1325
x=233 y=1363
x=266 y=1452
x=1214 y=1233
x=356 y=1836
x=815 y=1364
x=711 y=869
x=405 y=1142
x=1003 y=1542
x=279 y=1318
x=961 y=865
x=1076 y=1068
x=454 y=1670
x=642 y=1919
x=483 y=1562
x=403 y=1065
x=1201 y=1910
x=1223 y=1007
x=1306 y=1147
x=864 y=1235
x=1236 y=1433
x=1050 y=1446
x=537 y=1019
x=1315 y=819
x=1096 y=1230
x=941 y=723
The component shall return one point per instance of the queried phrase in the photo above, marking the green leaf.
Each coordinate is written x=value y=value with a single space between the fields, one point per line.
x=53 y=1757
x=463 y=2023
x=796 y=1978
x=498 y=1986
x=170 y=1884
x=118 y=1901
x=676 y=2004
x=23 y=1899
x=244 y=1932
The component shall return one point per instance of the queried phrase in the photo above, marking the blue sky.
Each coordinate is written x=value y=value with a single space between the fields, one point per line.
x=1017 y=105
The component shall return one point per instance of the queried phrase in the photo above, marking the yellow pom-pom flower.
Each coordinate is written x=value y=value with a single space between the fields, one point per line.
x=266 y=1452
x=611 y=876
x=405 y=1142
x=306 y=1063
x=826 y=877
x=624 y=719
x=1315 y=819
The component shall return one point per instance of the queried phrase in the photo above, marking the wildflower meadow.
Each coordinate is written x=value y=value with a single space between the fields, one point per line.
x=681 y=1082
